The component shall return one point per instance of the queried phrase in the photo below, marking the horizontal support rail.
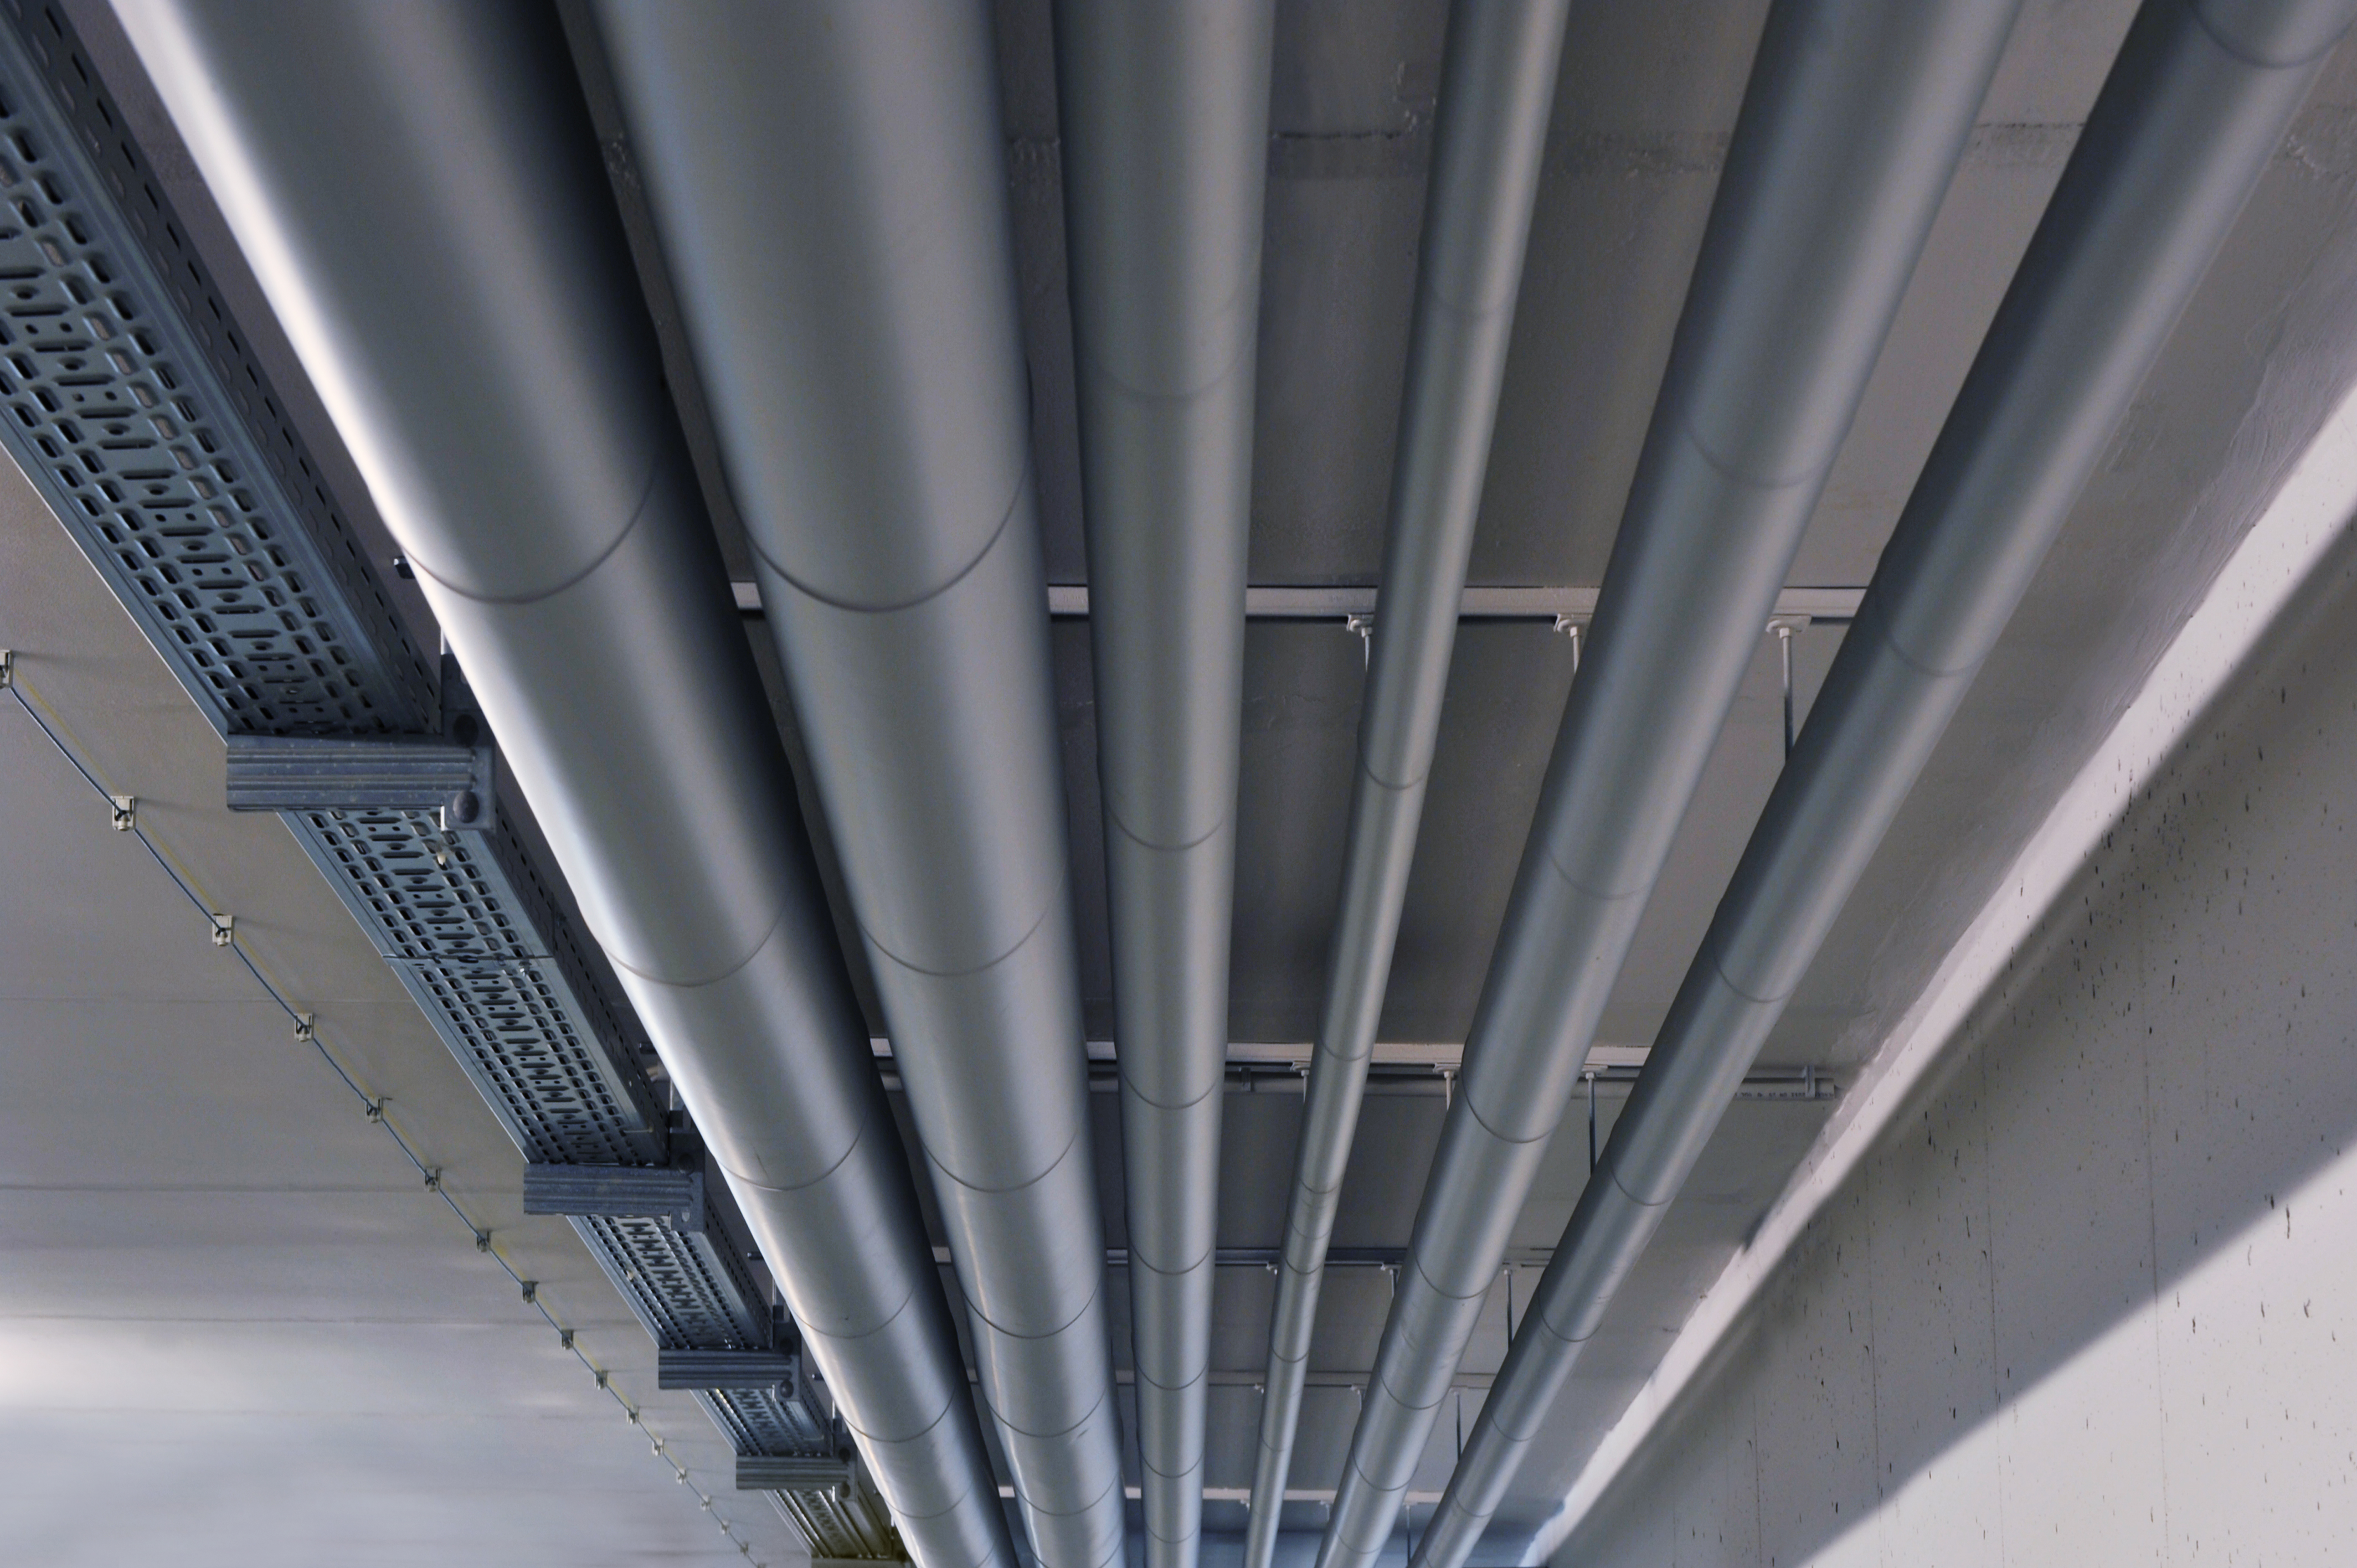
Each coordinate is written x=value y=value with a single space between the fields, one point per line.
x=1244 y=1494
x=1337 y=1258
x=1424 y=1070
x=1070 y=601
x=1476 y=1382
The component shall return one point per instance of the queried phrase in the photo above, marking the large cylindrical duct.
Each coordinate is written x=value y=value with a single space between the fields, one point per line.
x=2193 y=109
x=418 y=190
x=1164 y=121
x=829 y=182
x=1497 y=91
x=1851 y=128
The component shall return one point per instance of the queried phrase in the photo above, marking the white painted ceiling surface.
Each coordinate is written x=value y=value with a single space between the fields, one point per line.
x=236 y=1330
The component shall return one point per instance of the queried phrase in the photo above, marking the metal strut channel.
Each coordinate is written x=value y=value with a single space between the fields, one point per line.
x=139 y=414
x=416 y=845
x=137 y=410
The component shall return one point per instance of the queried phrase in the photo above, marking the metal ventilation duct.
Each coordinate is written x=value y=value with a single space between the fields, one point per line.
x=418 y=192
x=829 y=185
x=2193 y=109
x=1497 y=93
x=1852 y=126
x=1164 y=113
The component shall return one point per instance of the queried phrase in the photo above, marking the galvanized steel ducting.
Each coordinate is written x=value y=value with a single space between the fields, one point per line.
x=828 y=183
x=868 y=396
x=2193 y=109
x=1497 y=91
x=1164 y=112
x=1852 y=126
x=419 y=195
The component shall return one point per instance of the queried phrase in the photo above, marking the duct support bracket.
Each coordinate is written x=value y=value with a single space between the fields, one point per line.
x=663 y=1193
x=779 y=1369
x=800 y=1473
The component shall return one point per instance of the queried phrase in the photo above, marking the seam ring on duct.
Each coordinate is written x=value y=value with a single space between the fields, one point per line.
x=1014 y=504
x=1112 y=816
x=655 y=463
x=1473 y=313
x=1087 y=361
x=1169 y=1107
x=1095 y=1296
x=1084 y=1511
x=1718 y=967
x=1889 y=635
x=812 y=1331
x=1465 y=1098
x=1144 y=1382
x=948 y=1409
x=985 y=966
x=1420 y=782
x=1726 y=470
x=769 y=935
x=1056 y=1437
x=2234 y=50
x=1182 y=1271
x=1579 y=887
x=1045 y=1171
x=781 y=1190
x=1615 y=1171
x=1379 y=1380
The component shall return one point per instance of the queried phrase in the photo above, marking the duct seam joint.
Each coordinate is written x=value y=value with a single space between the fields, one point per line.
x=1014 y=505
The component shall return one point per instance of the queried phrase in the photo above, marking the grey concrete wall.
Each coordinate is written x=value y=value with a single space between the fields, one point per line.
x=2096 y=1297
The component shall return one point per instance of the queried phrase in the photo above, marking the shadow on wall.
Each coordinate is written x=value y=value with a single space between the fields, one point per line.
x=2069 y=1290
